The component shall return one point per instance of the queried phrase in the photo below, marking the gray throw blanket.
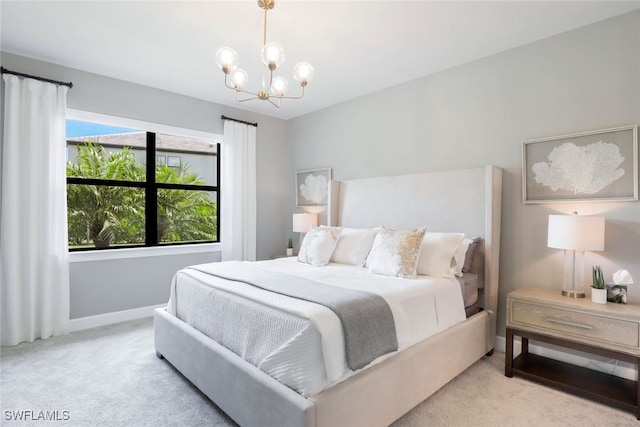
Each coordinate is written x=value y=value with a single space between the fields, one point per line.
x=367 y=320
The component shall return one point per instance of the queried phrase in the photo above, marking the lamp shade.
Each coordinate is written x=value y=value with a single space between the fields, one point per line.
x=302 y=221
x=576 y=232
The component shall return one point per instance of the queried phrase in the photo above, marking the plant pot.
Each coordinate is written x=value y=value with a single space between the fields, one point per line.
x=289 y=251
x=599 y=296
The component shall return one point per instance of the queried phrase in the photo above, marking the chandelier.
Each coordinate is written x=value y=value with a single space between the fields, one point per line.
x=273 y=88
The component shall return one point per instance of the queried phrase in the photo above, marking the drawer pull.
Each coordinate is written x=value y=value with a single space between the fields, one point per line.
x=564 y=322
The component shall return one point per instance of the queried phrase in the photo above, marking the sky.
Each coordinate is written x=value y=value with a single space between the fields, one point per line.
x=77 y=128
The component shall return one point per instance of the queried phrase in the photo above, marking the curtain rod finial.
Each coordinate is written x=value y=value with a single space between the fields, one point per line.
x=223 y=117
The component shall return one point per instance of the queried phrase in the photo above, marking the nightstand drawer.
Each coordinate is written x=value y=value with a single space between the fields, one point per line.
x=583 y=326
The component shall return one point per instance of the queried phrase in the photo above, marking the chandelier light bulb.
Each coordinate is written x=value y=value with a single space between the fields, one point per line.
x=279 y=86
x=303 y=73
x=272 y=55
x=227 y=59
x=239 y=79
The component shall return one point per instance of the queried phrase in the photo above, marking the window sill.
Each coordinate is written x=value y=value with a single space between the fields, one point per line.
x=103 y=255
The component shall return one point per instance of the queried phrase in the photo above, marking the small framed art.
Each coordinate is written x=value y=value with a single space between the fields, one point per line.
x=312 y=187
x=590 y=166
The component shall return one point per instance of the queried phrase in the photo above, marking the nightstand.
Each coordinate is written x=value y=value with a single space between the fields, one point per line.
x=610 y=330
x=282 y=256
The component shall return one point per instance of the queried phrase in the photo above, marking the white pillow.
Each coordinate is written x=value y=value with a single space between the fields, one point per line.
x=437 y=252
x=318 y=245
x=395 y=253
x=457 y=262
x=354 y=245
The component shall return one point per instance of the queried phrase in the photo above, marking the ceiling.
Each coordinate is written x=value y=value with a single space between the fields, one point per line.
x=356 y=47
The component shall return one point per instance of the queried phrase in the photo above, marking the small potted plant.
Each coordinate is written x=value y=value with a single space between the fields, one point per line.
x=290 y=248
x=598 y=288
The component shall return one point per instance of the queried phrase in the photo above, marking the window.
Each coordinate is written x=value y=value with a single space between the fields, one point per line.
x=128 y=187
x=174 y=161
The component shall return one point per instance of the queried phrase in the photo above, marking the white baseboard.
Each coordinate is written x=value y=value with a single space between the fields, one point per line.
x=89 y=322
x=597 y=363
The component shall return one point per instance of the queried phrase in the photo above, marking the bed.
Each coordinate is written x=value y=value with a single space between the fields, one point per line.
x=466 y=201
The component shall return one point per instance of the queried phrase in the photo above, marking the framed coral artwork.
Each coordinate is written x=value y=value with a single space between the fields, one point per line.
x=587 y=166
x=312 y=187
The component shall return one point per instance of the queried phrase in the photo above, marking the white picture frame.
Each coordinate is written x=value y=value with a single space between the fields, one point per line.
x=599 y=165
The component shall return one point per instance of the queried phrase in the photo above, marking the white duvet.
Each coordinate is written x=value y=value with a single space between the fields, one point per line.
x=300 y=343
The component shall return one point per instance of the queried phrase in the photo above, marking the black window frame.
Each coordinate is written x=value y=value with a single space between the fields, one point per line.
x=151 y=188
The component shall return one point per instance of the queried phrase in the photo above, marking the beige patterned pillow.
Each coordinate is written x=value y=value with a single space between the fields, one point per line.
x=395 y=253
x=318 y=245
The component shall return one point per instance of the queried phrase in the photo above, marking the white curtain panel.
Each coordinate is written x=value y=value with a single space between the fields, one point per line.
x=238 y=196
x=34 y=269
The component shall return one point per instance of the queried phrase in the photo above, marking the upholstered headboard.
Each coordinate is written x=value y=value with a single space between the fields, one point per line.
x=466 y=200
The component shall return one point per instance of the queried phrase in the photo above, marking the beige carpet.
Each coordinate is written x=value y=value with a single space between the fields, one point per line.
x=110 y=376
x=483 y=396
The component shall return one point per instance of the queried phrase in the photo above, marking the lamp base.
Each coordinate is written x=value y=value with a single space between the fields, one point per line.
x=573 y=277
x=573 y=294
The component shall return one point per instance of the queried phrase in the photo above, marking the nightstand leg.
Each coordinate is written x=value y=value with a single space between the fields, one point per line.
x=525 y=345
x=508 y=357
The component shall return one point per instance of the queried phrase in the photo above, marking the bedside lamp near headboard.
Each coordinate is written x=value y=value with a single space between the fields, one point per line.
x=575 y=234
x=302 y=222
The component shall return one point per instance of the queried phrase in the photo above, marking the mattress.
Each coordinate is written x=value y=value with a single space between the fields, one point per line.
x=301 y=344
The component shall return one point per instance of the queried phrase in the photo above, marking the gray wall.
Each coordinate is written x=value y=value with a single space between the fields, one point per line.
x=479 y=113
x=468 y=116
x=107 y=286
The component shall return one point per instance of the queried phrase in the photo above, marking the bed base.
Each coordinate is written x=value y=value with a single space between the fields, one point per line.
x=382 y=393
x=376 y=396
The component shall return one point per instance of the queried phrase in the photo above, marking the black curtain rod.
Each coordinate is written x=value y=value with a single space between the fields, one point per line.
x=223 y=117
x=42 y=79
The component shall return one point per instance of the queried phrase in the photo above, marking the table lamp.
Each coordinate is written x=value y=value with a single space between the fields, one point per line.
x=302 y=222
x=575 y=234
